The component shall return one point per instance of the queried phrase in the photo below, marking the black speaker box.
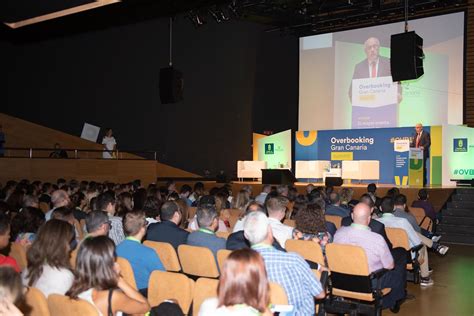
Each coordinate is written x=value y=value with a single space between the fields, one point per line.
x=406 y=56
x=171 y=85
x=277 y=176
x=333 y=181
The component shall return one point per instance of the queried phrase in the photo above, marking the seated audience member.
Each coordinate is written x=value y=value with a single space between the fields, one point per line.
x=237 y=240
x=168 y=229
x=390 y=220
x=205 y=236
x=198 y=192
x=241 y=200
x=375 y=226
x=151 y=207
x=206 y=201
x=184 y=193
x=426 y=205
x=65 y=214
x=25 y=225
x=335 y=207
x=79 y=203
x=59 y=198
x=221 y=209
x=124 y=204
x=371 y=191
x=401 y=210
x=299 y=203
x=263 y=195
x=11 y=291
x=58 y=152
x=311 y=225
x=98 y=280
x=378 y=254
x=5 y=241
x=283 y=190
x=251 y=207
x=285 y=268
x=97 y=224
x=49 y=268
x=168 y=308
x=243 y=287
x=276 y=208
x=106 y=203
x=143 y=259
x=347 y=201
x=30 y=200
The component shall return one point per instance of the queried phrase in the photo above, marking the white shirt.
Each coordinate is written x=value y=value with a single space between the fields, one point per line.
x=52 y=280
x=239 y=225
x=209 y=308
x=281 y=232
x=261 y=197
x=109 y=143
x=390 y=220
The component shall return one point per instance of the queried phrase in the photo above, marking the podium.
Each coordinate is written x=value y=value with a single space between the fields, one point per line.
x=277 y=176
x=408 y=166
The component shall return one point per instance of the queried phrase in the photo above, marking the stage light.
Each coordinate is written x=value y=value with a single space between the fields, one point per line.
x=195 y=18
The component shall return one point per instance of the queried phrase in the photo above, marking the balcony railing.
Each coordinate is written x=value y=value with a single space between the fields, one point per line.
x=75 y=153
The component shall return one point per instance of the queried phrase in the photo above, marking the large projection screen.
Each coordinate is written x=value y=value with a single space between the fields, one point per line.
x=331 y=88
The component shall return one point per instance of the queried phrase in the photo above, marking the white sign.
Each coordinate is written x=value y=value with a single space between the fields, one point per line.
x=374 y=92
x=90 y=132
x=401 y=145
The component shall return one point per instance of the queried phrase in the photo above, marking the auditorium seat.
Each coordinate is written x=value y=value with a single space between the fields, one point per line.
x=205 y=288
x=311 y=169
x=127 y=272
x=197 y=261
x=60 y=305
x=165 y=285
x=37 y=302
x=166 y=253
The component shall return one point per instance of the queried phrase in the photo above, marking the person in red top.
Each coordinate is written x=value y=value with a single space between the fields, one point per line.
x=5 y=241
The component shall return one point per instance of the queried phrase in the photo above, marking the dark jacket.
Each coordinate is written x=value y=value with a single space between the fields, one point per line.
x=375 y=226
x=167 y=231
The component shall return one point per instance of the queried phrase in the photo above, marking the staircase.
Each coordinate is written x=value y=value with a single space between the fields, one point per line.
x=458 y=218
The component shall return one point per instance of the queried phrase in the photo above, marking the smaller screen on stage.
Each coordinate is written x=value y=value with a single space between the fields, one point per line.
x=346 y=83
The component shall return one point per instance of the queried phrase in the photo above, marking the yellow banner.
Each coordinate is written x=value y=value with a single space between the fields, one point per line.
x=342 y=155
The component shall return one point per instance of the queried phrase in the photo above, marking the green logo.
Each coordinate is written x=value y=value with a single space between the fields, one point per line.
x=460 y=145
x=269 y=149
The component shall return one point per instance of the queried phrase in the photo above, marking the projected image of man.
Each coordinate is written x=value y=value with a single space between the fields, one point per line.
x=375 y=103
x=374 y=65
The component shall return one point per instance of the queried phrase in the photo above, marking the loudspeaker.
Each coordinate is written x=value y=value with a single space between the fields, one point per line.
x=171 y=85
x=406 y=56
x=333 y=181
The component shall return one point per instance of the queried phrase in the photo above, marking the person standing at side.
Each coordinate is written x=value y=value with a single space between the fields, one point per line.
x=110 y=145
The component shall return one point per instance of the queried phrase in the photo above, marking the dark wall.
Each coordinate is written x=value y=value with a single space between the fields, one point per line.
x=236 y=79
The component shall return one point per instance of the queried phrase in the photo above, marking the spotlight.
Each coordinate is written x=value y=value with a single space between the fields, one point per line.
x=218 y=14
x=195 y=18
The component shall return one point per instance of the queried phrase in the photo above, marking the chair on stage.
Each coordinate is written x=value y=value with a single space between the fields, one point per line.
x=250 y=169
x=361 y=170
x=311 y=169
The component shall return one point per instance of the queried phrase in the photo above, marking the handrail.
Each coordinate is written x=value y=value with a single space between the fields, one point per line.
x=118 y=153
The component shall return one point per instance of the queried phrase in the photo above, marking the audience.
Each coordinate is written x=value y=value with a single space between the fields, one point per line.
x=143 y=260
x=48 y=267
x=276 y=208
x=263 y=195
x=378 y=254
x=243 y=287
x=426 y=205
x=390 y=220
x=205 y=236
x=25 y=225
x=97 y=224
x=168 y=229
x=98 y=281
x=285 y=268
x=335 y=207
x=59 y=198
x=11 y=291
x=5 y=241
x=106 y=203
x=311 y=225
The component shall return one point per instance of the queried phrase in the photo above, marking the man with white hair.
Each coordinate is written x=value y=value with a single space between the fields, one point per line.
x=59 y=198
x=285 y=268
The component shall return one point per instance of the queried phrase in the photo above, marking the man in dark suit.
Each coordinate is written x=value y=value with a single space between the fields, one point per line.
x=168 y=230
x=376 y=66
x=422 y=139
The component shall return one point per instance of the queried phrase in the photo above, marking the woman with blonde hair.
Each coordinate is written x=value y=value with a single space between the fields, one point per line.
x=243 y=287
x=240 y=202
